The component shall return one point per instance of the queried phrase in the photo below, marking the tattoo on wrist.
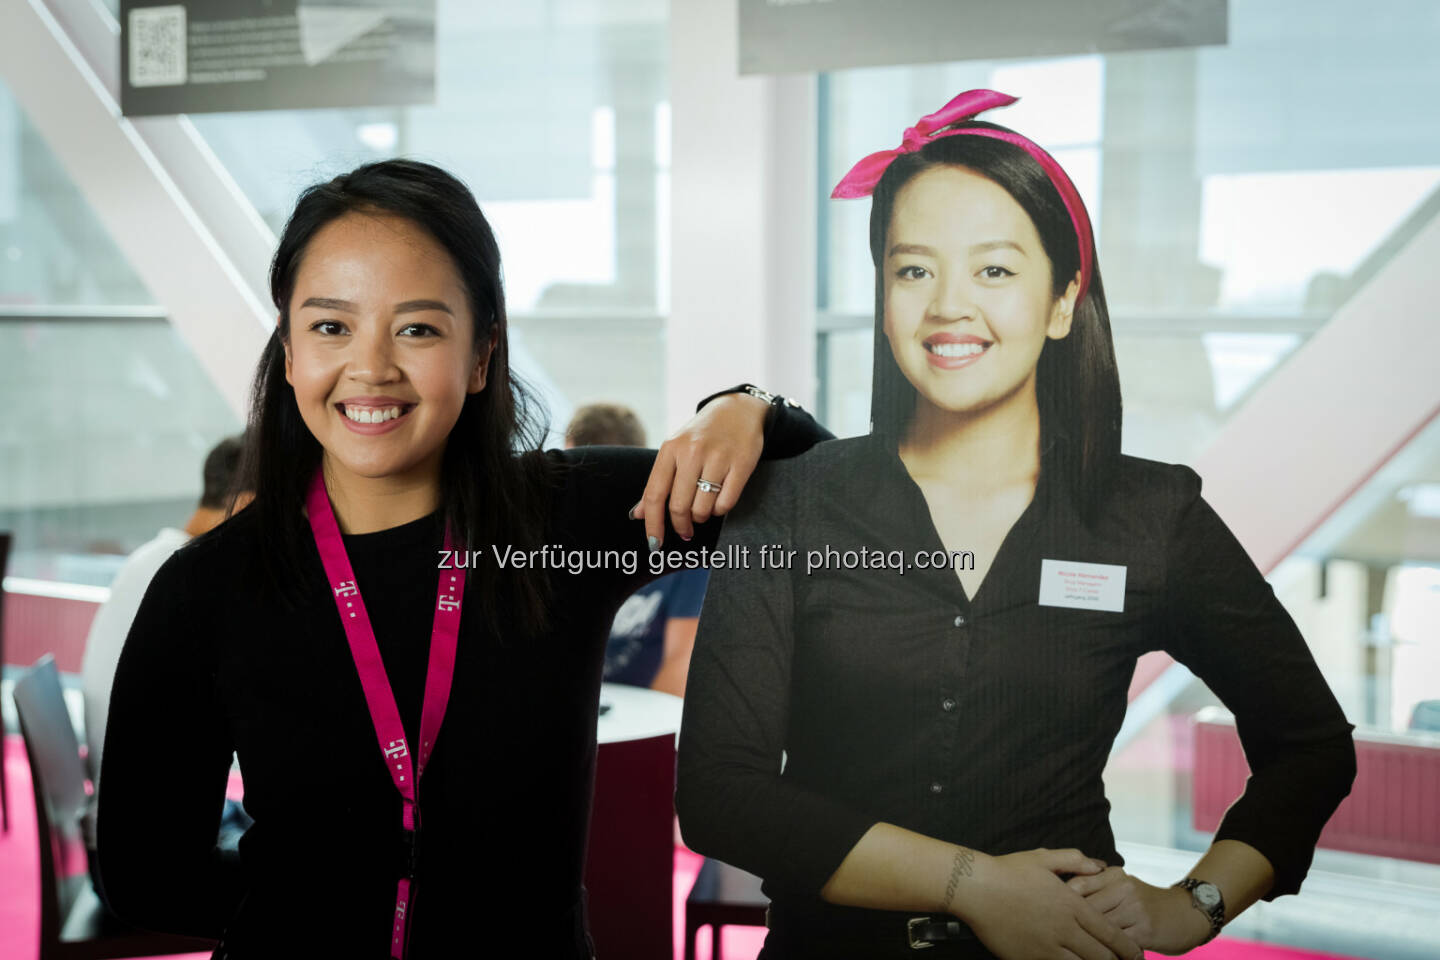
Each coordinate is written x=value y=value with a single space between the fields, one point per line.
x=963 y=866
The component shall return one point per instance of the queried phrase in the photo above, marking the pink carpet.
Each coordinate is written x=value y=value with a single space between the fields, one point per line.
x=20 y=905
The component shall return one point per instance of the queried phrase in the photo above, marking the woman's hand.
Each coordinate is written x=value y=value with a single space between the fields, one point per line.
x=720 y=444
x=1022 y=910
x=1158 y=918
x=1124 y=900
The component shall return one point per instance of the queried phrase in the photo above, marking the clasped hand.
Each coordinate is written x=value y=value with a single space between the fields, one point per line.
x=1024 y=911
x=1159 y=918
x=1099 y=913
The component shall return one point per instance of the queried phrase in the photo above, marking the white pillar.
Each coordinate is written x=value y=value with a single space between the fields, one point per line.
x=742 y=287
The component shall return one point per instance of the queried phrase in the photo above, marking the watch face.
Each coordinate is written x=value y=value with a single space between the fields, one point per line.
x=1207 y=895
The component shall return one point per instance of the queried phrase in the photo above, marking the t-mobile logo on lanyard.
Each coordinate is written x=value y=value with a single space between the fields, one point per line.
x=384 y=715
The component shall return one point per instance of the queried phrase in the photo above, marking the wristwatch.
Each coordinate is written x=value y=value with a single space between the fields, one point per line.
x=1206 y=898
x=774 y=399
x=767 y=396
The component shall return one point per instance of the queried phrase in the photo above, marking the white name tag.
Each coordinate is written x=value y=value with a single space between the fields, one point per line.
x=1082 y=586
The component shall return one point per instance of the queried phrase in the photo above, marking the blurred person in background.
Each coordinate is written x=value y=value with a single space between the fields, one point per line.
x=653 y=633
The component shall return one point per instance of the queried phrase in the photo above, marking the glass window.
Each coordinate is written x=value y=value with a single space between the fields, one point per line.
x=551 y=119
x=53 y=250
x=558 y=120
x=115 y=414
x=1240 y=194
x=556 y=117
x=118 y=419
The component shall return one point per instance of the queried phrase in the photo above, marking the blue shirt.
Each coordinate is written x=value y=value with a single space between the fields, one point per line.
x=637 y=635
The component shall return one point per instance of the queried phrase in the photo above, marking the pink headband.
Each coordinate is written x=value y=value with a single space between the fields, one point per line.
x=861 y=180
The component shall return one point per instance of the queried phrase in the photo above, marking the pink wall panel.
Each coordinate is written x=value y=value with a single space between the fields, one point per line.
x=37 y=625
x=1392 y=811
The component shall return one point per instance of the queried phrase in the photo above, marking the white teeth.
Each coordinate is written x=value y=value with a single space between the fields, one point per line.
x=369 y=415
x=956 y=349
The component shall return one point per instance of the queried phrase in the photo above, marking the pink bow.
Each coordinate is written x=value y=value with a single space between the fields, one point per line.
x=862 y=178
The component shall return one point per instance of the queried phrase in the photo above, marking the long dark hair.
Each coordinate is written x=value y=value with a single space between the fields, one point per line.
x=492 y=483
x=1077 y=383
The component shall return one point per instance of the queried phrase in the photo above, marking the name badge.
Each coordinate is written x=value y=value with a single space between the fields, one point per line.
x=1082 y=586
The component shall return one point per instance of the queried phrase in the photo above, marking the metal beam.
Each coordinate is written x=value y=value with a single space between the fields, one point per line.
x=1338 y=409
x=203 y=180
x=1310 y=436
x=133 y=192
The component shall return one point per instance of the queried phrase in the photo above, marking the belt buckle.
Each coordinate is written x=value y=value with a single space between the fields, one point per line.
x=910 y=934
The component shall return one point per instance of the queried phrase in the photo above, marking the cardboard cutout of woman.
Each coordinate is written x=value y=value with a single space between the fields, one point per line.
x=899 y=715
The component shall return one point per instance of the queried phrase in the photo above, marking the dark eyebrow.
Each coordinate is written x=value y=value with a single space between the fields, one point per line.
x=414 y=306
x=997 y=245
x=409 y=306
x=914 y=248
x=924 y=251
x=329 y=303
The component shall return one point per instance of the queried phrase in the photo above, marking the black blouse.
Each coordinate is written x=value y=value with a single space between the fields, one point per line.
x=213 y=665
x=982 y=721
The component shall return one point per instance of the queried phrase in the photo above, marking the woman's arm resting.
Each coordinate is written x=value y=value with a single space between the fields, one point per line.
x=722 y=444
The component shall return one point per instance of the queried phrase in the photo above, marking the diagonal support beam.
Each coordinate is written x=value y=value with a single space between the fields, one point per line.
x=1319 y=427
x=134 y=194
x=1340 y=407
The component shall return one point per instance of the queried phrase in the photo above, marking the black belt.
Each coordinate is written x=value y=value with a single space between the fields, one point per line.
x=925 y=932
x=882 y=929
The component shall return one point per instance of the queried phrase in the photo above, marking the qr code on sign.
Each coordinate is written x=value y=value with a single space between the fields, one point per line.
x=157 y=46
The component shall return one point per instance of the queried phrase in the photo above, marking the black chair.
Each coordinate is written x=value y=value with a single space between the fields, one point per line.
x=74 y=924
x=722 y=894
x=4 y=791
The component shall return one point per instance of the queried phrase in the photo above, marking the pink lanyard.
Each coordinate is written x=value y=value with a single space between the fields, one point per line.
x=378 y=695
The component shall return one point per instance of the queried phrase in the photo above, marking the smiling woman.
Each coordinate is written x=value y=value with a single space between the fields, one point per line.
x=387 y=283
x=386 y=431
x=364 y=366
x=916 y=762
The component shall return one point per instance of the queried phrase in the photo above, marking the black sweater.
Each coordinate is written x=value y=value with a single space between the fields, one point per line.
x=212 y=665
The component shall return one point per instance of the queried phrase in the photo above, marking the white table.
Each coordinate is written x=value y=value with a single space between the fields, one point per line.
x=636 y=713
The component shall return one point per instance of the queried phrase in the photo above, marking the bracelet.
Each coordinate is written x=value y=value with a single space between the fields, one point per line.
x=774 y=399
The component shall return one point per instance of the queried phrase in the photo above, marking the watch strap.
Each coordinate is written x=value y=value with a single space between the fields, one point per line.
x=774 y=399
x=1215 y=914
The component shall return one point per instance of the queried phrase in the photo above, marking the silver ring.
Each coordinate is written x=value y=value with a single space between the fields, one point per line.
x=707 y=486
